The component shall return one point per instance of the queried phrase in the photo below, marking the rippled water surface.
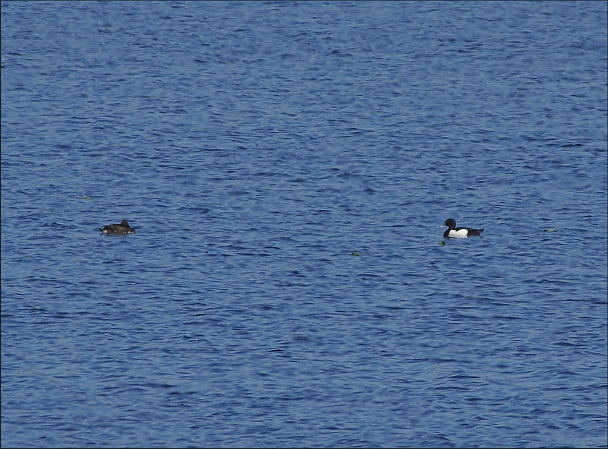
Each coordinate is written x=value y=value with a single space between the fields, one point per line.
x=288 y=168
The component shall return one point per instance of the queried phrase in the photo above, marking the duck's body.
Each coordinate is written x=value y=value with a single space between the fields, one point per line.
x=122 y=228
x=455 y=233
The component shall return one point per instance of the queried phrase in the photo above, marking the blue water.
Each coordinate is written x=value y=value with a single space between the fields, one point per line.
x=288 y=168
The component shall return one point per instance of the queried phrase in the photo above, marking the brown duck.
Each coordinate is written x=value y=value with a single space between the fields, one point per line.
x=122 y=228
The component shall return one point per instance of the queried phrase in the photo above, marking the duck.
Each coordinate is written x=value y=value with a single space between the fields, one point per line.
x=122 y=228
x=455 y=232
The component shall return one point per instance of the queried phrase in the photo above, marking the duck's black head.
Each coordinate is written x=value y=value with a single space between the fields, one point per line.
x=450 y=223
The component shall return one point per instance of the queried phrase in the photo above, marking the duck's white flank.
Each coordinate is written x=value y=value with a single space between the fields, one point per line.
x=461 y=233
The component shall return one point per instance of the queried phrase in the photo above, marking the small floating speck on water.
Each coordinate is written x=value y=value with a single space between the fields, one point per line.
x=549 y=230
x=355 y=253
x=441 y=242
